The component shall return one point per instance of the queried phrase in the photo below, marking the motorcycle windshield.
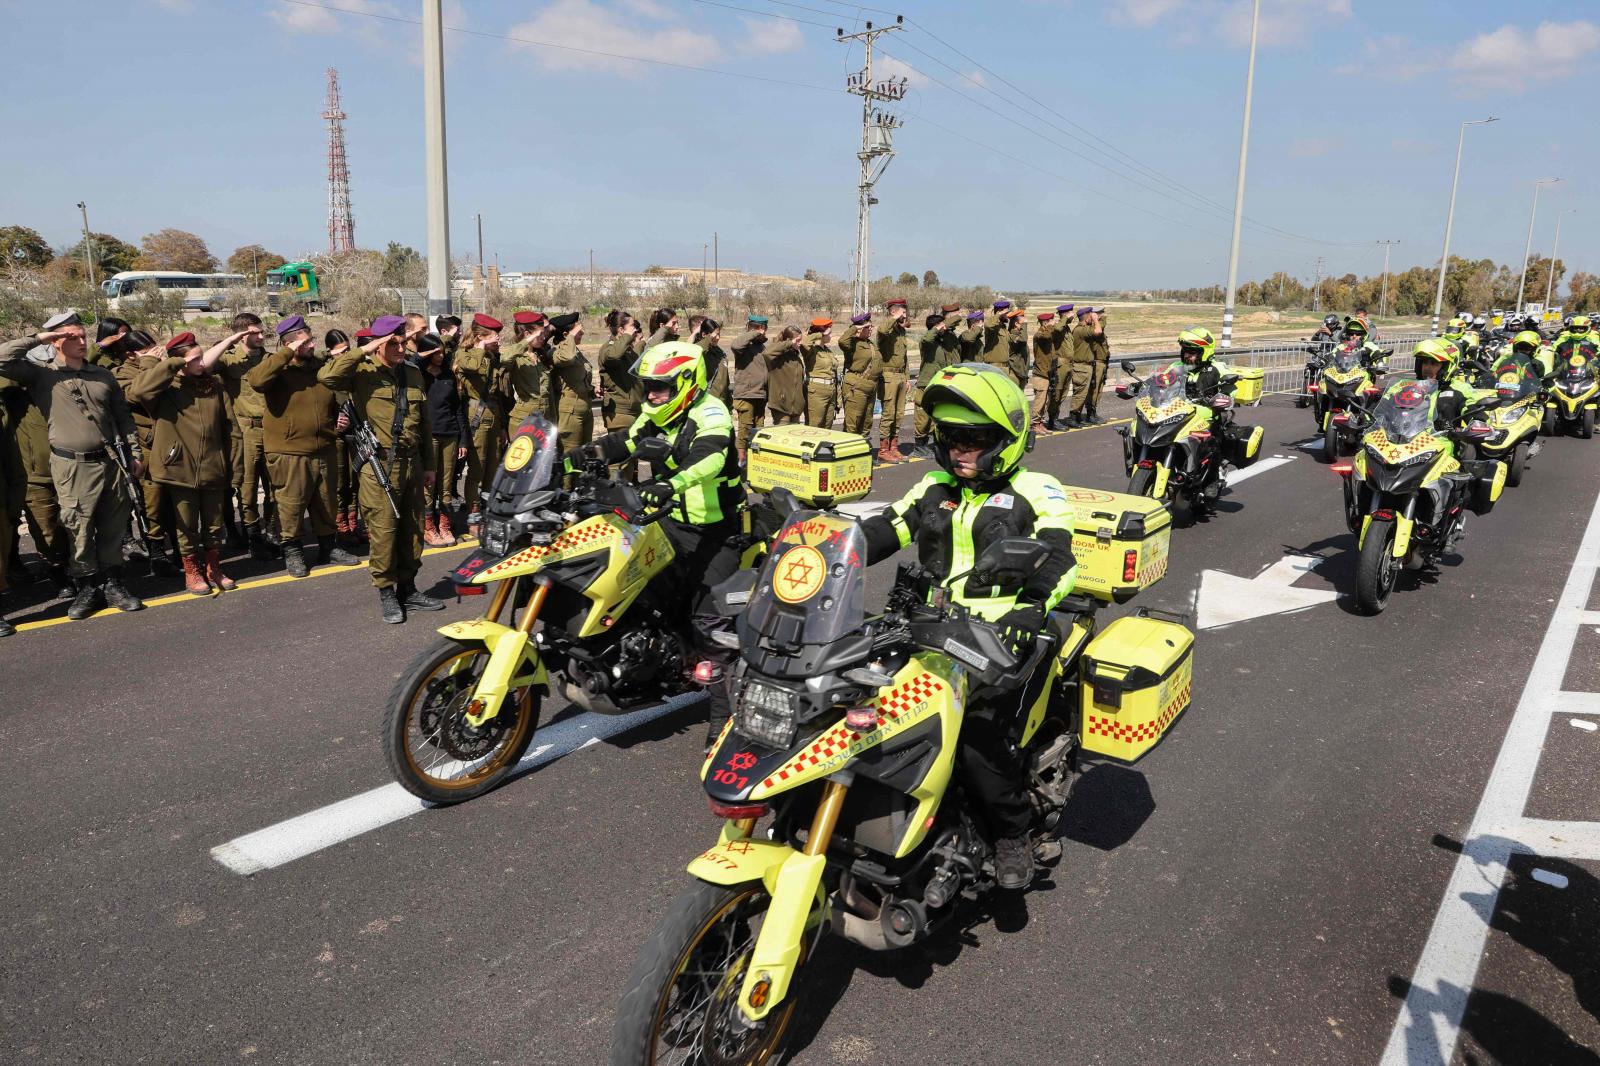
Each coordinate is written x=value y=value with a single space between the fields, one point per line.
x=812 y=589
x=1577 y=360
x=1515 y=382
x=528 y=467
x=1406 y=410
x=1346 y=360
x=1164 y=388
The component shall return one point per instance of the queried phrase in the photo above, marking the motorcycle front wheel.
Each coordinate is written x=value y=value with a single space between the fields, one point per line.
x=1519 y=461
x=1586 y=427
x=1330 y=442
x=1142 y=483
x=432 y=750
x=681 y=1004
x=1377 y=569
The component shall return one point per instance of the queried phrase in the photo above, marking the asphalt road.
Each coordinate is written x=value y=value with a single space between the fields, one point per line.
x=1259 y=889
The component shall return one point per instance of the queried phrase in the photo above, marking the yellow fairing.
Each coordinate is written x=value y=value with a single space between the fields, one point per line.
x=1402 y=536
x=512 y=663
x=928 y=686
x=734 y=860
x=1163 y=473
x=1499 y=483
x=636 y=555
x=796 y=889
x=1077 y=637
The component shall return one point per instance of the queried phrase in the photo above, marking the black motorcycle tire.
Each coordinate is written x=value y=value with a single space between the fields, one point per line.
x=396 y=727
x=1376 y=569
x=1549 y=426
x=1586 y=427
x=1142 y=483
x=1330 y=442
x=666 y=956
x=1519 y=460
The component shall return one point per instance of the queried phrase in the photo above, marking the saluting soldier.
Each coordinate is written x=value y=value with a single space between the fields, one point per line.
x=971 y=339
x=477 y=362
x=249 y=468
x=786 y=378
x=1061 y=380
x=300 y=428
x=706 y=333
x=527 y=361
x=1017 y=342
x=1082 y=356
x=192 y=457
x=84 y=411
x=387 y=393
x=997 y=336
x=144 y=354
x=750 y=367
x=1093 y=353
x=663 y=327
x=894 y=347
x=574 y=380
x=863 y=371
x=347 y=517
x=939 y=347
x=39 y=505
x=619 y=360
x=13 y=491
x=1101 y=347
x=823 y=368
x=1044 y=369
x=448 y=445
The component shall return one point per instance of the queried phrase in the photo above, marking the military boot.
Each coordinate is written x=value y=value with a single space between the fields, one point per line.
x=430 y=530
x=260 y=547
x=6 y=628
x=294 y=561
x=235 y=537
x=89 y=598
x=117 y=594
x=1013 y=862
x=194 y=577
x=389 y=604
x=416 y=600
x=447 y=536
x=214 y=572
x=329 y=553
x=62 y=582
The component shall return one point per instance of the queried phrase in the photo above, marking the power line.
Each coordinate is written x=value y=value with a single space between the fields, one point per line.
x=769 y=14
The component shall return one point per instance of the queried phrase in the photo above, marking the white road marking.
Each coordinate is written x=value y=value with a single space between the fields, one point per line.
x=1429 y=1025
x=1551 y=878
x=1582 y=723
x=1261 y=467
x=1223 y=599
x=322 y=828
x=1311 y=445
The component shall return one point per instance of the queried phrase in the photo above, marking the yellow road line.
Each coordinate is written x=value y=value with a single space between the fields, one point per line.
x=254 y=583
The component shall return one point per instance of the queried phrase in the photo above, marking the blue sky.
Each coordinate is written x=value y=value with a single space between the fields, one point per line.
x=209 y=122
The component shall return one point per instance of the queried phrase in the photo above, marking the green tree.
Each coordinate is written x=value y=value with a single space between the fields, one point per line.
x=24 y=246
x=404 y=267
x=111 y=255
x=253 y=261
x=930 y=279
x=175 y=249
x=906 y=278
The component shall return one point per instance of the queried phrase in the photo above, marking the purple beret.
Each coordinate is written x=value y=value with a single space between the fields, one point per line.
x=860 y=320
x=976 y=316
x=1062 y=309
x=288 y=325
x=388 y=325
x=1001 y=305
x=1085 y=311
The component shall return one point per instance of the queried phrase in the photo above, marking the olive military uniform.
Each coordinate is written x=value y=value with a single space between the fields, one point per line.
x=530 y=379
x=719 y=381
x=157 y=505
x=299 y=429
x=248 y=414
x=475 y=370
x=937 y=349
x=894 y=347
x=192 y=456
x=863 y=373
x=1044 y=369
x=823 y=367
x=39 y=506
x=786 y=382
x=1080 y=368
x=393 y=401
x=1090 y=351
x=623 y=394
x=750 y=366
x=575 y=389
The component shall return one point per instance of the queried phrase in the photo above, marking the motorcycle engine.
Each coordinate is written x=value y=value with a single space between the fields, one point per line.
x=641 y=664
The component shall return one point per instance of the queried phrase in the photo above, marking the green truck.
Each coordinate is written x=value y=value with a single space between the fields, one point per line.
x=294 y=286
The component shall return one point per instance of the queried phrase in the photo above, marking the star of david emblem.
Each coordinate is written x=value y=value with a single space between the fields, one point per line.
x=742 y=761
x=799 y=574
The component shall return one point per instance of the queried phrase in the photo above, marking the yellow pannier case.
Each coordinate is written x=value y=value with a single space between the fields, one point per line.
x=1120 y=541
x=822 y=467
x=1251 y=385
x=1137 y=677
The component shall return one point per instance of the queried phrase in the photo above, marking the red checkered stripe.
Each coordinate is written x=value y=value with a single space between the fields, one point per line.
x=854 y=484
x=1156 y=569
x=1130 y=733
x=837 y=740
x=718 y=743
x=573 y=538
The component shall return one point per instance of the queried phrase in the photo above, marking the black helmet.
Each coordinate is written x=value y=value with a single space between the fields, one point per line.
x=1331 y=322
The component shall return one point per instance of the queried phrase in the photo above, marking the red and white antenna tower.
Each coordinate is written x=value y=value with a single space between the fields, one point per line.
x=341 y=226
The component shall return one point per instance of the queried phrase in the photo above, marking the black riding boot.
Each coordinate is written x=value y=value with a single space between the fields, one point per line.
x=116 y=593
x=89 y=598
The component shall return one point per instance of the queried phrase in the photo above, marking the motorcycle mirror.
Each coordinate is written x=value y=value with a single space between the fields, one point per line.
x=725 y=638
x=784 y=502
x=1010 y=561
x=733 y=596
x=868 y=677
x=652 y=450
x=1128 y=366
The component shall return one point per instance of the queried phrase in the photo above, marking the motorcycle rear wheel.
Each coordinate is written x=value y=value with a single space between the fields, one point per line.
x=1377 y=569
x=431 y=750
x=1549 y=426
x=684 y=988
x=1519 y=460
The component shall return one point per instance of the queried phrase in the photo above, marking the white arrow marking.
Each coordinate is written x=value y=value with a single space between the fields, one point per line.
x=1225 y=599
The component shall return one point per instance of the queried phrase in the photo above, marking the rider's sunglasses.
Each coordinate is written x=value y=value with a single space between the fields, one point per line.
x=980 y=437
x=1186 y=350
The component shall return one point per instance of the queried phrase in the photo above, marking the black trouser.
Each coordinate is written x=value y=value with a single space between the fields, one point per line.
x=992 y=769
x=704 y=557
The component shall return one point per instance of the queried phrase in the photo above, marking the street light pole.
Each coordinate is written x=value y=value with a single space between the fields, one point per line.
x=1550 y=278
x=1383 y=293
x=483 y=277
x=437 y=169
x=1238 y=193
x=88 y=261
x=1450 y=217
x=1527 y=249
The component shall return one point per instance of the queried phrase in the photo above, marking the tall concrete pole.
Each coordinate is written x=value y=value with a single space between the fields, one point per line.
x=1527 y=249
x=438 y=181
x=1383 y=293
x=1450 y=218
x=1238 y=193
x=88 y=261
x=1550 y=278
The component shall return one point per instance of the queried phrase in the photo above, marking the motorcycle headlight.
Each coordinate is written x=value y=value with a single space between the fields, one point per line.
x=766 y=715
x=496 y=536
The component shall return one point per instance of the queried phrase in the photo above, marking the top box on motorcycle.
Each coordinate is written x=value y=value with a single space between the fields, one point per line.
x=1137 y=677
x=1120 y=541
x=1250 y=386
x=822 y=467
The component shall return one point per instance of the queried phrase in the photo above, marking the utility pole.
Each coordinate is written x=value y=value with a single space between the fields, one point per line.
x=716 y=264
x=591 y=275
x=1238 y=192
x=705 y=262
x=877 y=146
x=1550 y=279
x=1316 y=290
x=483 y=277
x=1450 y=218
x=1383 y=293
x=1528 y=248
x=88 y=261
x=438 y=180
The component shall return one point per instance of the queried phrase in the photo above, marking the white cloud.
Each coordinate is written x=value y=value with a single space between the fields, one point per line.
x=1283 y=22
x=305 y=18
x=1310 y=147
x=1144 y=12
x=886 y=68
x=618 y=28
x=771 y=37
x=1511 y=58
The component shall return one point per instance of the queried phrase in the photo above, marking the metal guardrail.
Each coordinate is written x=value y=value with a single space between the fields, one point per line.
x=1283 y=361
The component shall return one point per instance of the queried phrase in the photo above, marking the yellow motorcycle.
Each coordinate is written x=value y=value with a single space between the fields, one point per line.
x=1345 y=383
x=1514 y=423
x=1175 y=450
x=586 y=563
x=845 y=733
x=1575 y=392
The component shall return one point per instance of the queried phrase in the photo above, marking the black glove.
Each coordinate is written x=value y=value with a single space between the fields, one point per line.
x=1020 y=626
x=656 y=494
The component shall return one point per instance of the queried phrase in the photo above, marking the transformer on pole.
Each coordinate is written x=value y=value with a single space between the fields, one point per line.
x=877 y=146
x=341 y=226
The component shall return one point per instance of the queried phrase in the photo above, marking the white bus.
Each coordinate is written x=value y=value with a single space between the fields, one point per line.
x=201 y=292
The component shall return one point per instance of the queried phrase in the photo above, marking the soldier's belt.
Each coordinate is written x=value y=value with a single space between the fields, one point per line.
x=253 y=421
x=396 y=453
x=95 y=456
x=820 y=377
